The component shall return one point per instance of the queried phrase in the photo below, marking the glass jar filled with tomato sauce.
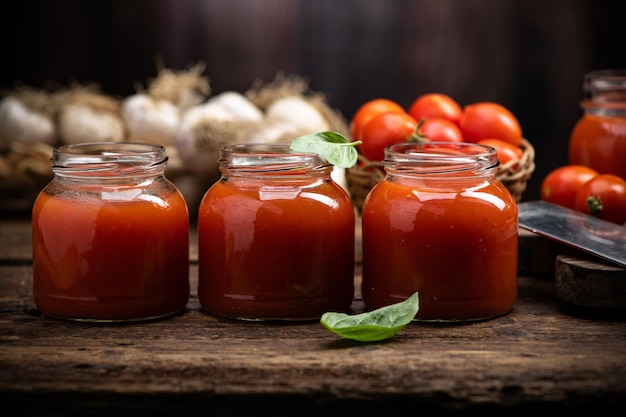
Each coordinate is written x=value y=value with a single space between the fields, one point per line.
x=598 y=139
x=110 y=236
x=440 y=223
x=276 y=237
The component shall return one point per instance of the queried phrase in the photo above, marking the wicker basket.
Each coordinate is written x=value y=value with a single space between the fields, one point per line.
x=514 y=175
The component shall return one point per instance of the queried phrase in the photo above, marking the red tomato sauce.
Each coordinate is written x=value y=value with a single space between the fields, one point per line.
x=599 y=142
x=103 y=260
x=458 y=249
x=282 y=253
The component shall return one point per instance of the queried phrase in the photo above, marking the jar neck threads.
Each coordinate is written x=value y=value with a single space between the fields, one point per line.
x=605 y=85
x=605 y=93
x=270 y=160
x=109 y=160
x=440 y=159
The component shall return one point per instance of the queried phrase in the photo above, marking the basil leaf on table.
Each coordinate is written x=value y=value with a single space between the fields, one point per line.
x=331 y=146
x=374 y=325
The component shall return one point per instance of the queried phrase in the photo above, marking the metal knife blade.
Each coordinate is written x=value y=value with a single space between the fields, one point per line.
x=599 y=237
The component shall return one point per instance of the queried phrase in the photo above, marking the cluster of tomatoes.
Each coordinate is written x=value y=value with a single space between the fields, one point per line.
x=583 y=189
x=435 y=117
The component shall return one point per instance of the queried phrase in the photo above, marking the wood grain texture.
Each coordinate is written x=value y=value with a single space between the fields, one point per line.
x=587 y=281
x=541 y=357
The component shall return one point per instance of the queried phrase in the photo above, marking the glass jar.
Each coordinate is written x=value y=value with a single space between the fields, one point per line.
x=110 y=236
x=598 y=139
x=440 y=223
x=275 y=237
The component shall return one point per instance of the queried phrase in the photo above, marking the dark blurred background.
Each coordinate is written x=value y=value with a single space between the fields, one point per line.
x=528 y=55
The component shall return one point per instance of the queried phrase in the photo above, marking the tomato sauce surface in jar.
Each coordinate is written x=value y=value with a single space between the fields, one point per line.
x=440 y=224
x=275 y=237
x=110 y=236
x=598 y=140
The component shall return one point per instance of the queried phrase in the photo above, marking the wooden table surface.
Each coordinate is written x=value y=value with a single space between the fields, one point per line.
x=541 y=358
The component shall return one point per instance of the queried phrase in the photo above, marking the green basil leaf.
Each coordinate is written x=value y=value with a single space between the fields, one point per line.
x=374 y=325
x=331 y=146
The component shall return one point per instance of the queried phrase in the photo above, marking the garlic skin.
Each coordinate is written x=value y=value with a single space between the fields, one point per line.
x=238 y=106
x=80 y=123
x=210 y=111
x=199 y=158
x=184 y=89
x=188 y=99
x=223 y=120
x=275 y=131
x=297 y=112
x=20 y=124
x=339 y=176
x=149 y=120
x=288 y=118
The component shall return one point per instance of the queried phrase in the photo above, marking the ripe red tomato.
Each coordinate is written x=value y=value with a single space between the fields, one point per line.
x=440 y=130
x=561 y=185
x=384 y=130
x=603 y=196
x=506 y=151
x=487 y=120
x=368 y=110
x=436 y=105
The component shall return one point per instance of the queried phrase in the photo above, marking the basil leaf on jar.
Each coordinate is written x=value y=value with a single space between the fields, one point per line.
x=331 y=146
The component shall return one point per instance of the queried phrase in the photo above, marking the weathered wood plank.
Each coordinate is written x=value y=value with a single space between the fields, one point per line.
x=543 y=355
x=15 y=241
x=534 y=354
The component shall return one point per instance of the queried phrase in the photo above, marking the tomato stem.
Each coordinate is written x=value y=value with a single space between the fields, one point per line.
x=594 y=204
x=416 y=136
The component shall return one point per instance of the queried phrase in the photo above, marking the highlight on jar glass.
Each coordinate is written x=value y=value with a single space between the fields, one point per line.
x=110 y=236
x=275 y=237
x=440 y=224
x=598 y=139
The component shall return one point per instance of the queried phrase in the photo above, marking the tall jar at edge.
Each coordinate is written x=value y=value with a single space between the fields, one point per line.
x=598 y=140
x=440 y=224
x=275 y=237
x=110 y=236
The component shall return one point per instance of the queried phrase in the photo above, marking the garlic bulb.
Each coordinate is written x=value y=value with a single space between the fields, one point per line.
x=150 y=120
x=225 y=119
x=29 y=162
x=20 y=122
x=287 y=118
x=209 y=111
x=154 y=115
x=274 y=131
x=199 y=159
x=263 y=95
x=198 y=143
x=237 y=106
x=78 y=124
x=298 y=112
x=85 y=115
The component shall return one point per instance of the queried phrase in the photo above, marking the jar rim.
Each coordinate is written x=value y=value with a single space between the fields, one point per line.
x=267 y=157
x=440 y=157
x=109 y=151
x=605 y=85
x=119 y=157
